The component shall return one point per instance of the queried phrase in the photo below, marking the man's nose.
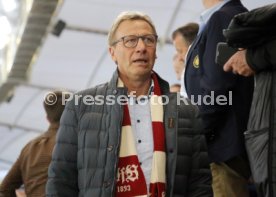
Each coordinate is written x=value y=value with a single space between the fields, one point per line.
x=141 y=44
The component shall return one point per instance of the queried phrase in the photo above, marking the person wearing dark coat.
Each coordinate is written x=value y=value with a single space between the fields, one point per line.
x=206 y=83
x=258 y=60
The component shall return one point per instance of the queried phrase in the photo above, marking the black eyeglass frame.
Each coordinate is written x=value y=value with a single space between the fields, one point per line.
x=143 y=37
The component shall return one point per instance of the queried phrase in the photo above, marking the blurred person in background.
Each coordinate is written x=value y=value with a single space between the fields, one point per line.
x=31 y=167
x=182 y=39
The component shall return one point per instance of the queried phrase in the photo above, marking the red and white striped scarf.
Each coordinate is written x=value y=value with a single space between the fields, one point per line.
x=130 y=178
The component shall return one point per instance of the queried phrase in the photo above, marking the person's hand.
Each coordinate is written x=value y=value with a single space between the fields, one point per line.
x=20 y=193
x=238 y=65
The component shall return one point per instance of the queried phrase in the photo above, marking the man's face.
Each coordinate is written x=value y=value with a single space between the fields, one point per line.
x=178 y=65
x=180 y=45
x=137 y=62
x=179 y=58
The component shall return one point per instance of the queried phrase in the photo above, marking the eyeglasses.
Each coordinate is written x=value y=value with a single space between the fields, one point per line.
x=132 y=40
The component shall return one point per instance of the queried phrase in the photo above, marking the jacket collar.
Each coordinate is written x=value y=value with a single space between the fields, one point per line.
x=113 y=82
x=52 y=129
x=164 y=85
x=54 y=125
x=218 y=7
x=205 y=15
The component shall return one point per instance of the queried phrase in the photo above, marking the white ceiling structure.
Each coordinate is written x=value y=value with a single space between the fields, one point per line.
x=79 y=59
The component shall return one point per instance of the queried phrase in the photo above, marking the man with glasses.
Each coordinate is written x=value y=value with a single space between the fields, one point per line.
x=144 y=143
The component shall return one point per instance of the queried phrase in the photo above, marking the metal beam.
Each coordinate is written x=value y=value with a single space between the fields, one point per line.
x=40 y=87
x=171 y=22
x=28 y=129
x=96 y=68
x=6 y=161
x=88 y=30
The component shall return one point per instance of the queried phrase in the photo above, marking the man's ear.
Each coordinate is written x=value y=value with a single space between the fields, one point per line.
x=112 y=53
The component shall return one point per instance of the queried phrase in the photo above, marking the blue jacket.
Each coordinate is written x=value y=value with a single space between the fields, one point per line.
x=225 y=124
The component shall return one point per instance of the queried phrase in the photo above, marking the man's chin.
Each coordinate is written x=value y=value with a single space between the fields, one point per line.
x=141 y=72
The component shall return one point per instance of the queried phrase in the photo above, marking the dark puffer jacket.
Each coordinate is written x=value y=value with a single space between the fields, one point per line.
x=85 y=157
x=261 y=133
x=254 y=30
